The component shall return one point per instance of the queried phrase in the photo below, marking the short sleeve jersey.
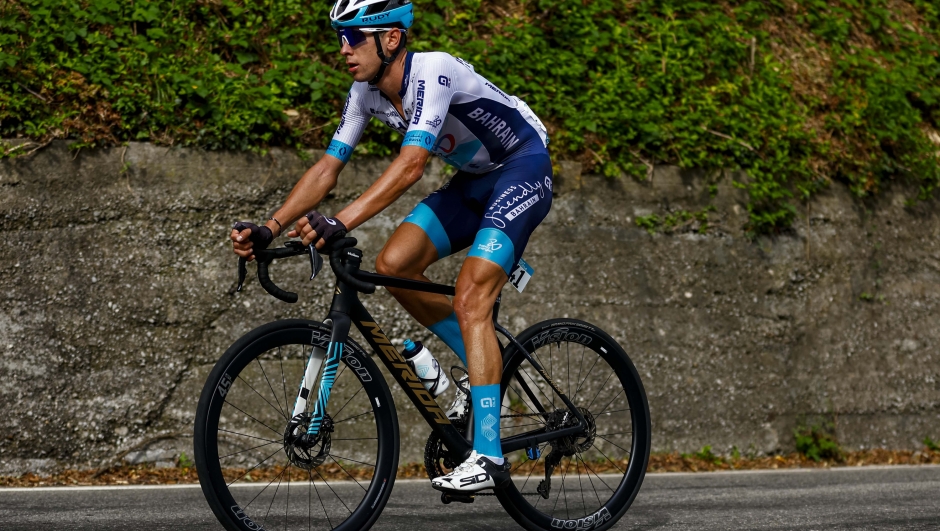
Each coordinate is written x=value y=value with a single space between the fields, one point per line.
x=450 y=110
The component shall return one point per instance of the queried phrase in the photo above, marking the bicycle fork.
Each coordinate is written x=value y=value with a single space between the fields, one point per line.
x=328 y=360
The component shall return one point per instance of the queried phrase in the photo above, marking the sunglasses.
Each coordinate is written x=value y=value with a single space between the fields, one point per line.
x=351 y=36
x=354 y=37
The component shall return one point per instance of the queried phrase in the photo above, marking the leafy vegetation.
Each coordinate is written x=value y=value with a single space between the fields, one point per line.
x=818 y=442
x=931 y=445
x=672 y=222
x=794 y=92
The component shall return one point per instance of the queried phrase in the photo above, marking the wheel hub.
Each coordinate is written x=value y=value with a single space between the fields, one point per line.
x=304 y=451
x=577 y=443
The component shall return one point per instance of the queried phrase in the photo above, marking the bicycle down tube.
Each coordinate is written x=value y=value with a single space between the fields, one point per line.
x=346 y=309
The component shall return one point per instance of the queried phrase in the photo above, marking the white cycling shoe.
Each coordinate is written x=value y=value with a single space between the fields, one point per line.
x=476 y=473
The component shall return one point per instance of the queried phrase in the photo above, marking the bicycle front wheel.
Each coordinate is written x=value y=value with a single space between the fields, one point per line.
x=253 y=473
x=585 y=481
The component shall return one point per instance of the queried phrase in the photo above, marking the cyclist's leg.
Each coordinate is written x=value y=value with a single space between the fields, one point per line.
x=520 y=200
x=443 y=222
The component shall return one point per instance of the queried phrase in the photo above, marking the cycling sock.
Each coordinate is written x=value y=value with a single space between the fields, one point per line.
x=486 y=406
x=449 y=332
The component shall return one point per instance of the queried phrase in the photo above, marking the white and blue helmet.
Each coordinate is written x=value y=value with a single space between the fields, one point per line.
x=365 y=14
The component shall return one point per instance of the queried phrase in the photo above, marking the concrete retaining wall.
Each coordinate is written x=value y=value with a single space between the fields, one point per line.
x=116 y=297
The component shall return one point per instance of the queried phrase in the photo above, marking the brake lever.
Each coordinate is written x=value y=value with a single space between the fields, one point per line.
x=242 y=272
x=316 y=261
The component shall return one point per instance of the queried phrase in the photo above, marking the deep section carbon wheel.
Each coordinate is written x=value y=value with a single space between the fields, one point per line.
x=587 y=480
x=256 y=473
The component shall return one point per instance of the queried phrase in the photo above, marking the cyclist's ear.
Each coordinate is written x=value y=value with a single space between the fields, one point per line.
x=393 y=40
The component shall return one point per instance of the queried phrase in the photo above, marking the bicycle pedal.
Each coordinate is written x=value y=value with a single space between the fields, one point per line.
x=446 y=498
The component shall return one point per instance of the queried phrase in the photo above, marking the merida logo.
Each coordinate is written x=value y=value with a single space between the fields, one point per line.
x=497 y=126
x=419 y=106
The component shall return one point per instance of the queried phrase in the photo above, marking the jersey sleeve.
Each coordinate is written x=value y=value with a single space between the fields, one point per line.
x=434 y=90
x=351 y=125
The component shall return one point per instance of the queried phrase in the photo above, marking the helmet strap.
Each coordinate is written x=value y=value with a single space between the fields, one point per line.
x=387 y=60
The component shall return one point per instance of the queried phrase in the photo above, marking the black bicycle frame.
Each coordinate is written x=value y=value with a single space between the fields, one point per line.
x=346 y=309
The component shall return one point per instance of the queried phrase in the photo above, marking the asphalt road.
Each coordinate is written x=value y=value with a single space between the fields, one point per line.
x=873 y=498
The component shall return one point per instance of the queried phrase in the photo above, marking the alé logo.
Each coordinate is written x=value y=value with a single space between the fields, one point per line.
x=491 y=247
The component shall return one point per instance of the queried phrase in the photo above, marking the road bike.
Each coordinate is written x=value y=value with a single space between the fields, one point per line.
x=575 y=421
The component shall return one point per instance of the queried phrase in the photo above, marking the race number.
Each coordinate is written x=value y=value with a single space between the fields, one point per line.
x=520 y=275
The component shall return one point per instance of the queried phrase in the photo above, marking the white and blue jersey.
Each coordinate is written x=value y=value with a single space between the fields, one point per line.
x=504 y=187
x=450 y=110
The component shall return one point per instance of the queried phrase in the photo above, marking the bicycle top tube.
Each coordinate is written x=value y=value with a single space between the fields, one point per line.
x=338 y=251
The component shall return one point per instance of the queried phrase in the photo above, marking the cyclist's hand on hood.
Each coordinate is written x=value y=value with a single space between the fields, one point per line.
x=315 y=227
x=248 y=237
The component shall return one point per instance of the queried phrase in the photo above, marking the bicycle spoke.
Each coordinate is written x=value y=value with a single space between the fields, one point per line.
x=599 y=391
x=250 y=436
x=586 y=375
x=611 y=442
x=567 y=367
x=287 y=508
x=590 y=480
x=254 y=467
x=264 y=489
x=616 y=411
x=252 y=418
x=279 y=411
x=577 y=469
x=348 y=474
x=348 y=401
x=369 y=412
x=272 y=499
x=314 y=485
x=248 y=449
x=331 y=490
x=611 y=402
x=578 y=379
x=595 y=475
x=271 y=387
x=609 y=459
x=353 y=460
x=559 y=491
x=526 y=482
x=539 y=390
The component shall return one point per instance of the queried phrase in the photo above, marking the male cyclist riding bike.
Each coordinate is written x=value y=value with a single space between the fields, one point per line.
x=501 y=192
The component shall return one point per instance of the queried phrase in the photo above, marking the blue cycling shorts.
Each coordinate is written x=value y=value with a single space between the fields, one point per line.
x=494 y=214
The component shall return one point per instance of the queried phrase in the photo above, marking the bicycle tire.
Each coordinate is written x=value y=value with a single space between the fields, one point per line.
x=232 y=410
x=633 y=409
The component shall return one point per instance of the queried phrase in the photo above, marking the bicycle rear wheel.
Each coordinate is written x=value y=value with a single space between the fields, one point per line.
x=577 y=482
x=251 y=473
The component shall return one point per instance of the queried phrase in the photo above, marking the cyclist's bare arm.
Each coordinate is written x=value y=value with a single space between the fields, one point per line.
x=401 y=175
x=306 y=195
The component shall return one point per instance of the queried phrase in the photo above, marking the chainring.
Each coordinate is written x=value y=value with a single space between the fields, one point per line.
x=438 y=460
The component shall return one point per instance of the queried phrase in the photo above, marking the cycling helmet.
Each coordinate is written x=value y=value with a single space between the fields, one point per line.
x=366 y=14
x=373 y=16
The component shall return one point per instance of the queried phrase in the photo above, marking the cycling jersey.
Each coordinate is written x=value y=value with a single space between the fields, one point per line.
x=451 y=111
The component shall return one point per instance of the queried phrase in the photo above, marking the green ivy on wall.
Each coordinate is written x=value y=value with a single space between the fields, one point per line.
x=794 y=92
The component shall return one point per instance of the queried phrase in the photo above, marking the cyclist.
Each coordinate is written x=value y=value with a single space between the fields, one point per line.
x=500 y=193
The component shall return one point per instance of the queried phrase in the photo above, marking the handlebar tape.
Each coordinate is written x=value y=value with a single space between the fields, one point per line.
x=270 y=287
